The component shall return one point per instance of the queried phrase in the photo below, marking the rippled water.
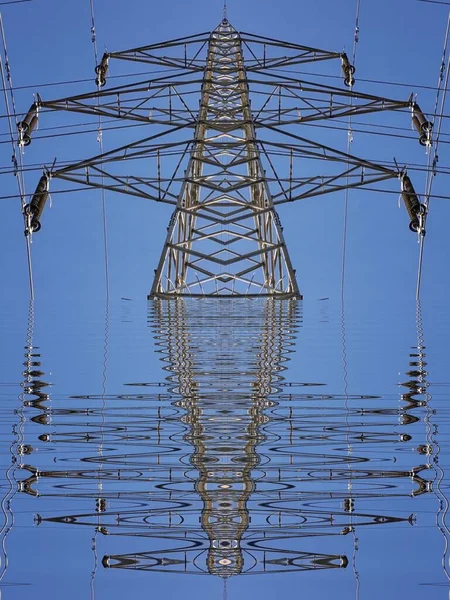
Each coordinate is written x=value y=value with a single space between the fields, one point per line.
x=241 y=449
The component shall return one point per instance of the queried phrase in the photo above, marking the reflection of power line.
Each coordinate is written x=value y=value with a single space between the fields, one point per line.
x=227 y=469
x=17 y=448
x=33 y=398
x=100 y=502
x=32 y=385
x=225 y=384
x=419 y=387
x=198 y=369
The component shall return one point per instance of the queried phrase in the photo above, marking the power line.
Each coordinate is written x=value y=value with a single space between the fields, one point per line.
x=432 y=167
x=18 y=164
x=90 y=79
x=14 y=2
x=435 y=2
x=100 y=142
x=412 y=166
x=156 y=71
x=84 y=188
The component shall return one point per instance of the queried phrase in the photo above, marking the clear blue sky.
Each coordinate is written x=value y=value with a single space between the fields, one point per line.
x=49 y=42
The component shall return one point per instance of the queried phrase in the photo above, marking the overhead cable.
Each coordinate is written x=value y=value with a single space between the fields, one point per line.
x=17 y=162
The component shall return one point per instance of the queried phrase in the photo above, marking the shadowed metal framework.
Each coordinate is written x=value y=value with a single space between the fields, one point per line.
x=239 y=97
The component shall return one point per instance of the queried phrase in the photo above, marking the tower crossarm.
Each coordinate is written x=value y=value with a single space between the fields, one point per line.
x=258 y=47
x=185 y=53
x=166 y=101
x=170 y=100
x=107 y=170
x=298 y=102
x=333 y=170
x=224 y=152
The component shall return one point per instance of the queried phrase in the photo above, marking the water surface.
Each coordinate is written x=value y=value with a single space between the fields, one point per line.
x=223 y=438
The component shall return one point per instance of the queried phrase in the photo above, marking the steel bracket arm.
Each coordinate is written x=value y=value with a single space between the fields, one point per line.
x=354 y=173
x=307 y=51
x=159 y=101
x=302 y=102
x=106 y=170
x=146 y=54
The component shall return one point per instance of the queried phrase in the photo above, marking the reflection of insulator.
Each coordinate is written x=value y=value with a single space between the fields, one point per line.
x=28 y=125
x=102 y=70
x=412 y=204
x=348 y=71
x=37 y=204
x=106 y=561
x=349 y=505
x=100 y=505
x=422 y=125
x=407 y=419
x=426 y=449
x=24 y=449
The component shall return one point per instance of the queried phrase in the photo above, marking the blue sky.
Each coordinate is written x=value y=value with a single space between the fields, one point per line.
x=49 y=42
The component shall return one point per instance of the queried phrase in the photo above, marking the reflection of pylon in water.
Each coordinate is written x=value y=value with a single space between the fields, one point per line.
x=224 y=389
x=225 y=236
x=223 y=471
x=240 y=160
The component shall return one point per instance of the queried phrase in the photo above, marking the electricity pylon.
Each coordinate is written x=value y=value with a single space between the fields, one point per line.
x=239 y=161
x=225 y=468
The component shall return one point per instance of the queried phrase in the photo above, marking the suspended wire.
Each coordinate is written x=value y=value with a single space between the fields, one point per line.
x=349 y=142
x=431 y=166
x=360 y=80
x=432 y=444
x=314 y=124
x=33 y=86
x=343 y=323
x=435 y=2
x=106 y=340
x=4 y=170
x=14 y=2
x=174 y=71
x=17 y=164
x=100 y=142
x=95 y=553
x=14 y=449
x=324 y=126
x=83 y=189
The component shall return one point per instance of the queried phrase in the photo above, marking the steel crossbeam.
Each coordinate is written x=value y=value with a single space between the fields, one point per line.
x=225 y=152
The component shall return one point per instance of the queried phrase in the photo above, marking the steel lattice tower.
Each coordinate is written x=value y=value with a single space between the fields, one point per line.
x=225 y=237
x=243 y=155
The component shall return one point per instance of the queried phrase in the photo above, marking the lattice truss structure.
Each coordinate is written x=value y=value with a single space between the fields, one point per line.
x=225 y=468
x=225 y=150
